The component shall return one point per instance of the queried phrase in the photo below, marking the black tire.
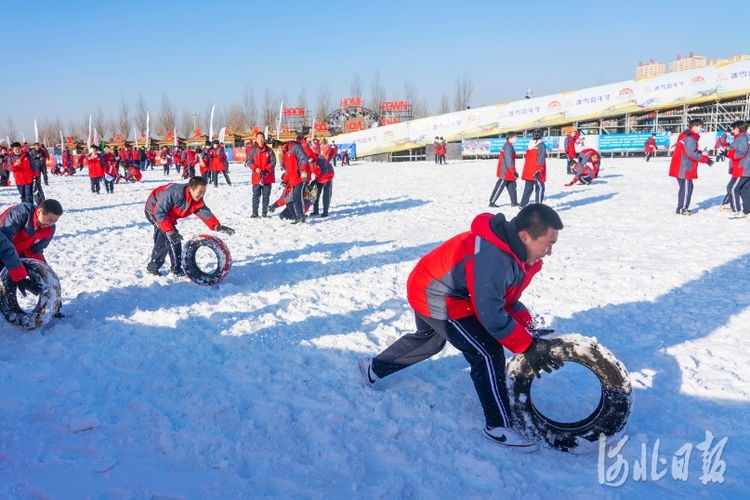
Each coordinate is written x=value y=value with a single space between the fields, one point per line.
x=49 y=301
x=610 y=416
x=223 y=260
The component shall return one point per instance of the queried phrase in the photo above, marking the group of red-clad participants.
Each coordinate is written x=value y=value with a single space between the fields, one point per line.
x=583 y=165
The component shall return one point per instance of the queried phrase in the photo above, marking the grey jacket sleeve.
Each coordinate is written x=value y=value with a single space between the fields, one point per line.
x=493 y=273
x=690 y=147
x=541 y=154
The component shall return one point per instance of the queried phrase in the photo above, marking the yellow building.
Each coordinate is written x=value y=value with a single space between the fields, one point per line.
x=733 y=59
x=649 y=70
x=685 y=63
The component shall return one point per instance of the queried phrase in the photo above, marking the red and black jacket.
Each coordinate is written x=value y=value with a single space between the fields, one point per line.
x=478 y=273
x=170 y=202
x=265 y=160
x=21 y=236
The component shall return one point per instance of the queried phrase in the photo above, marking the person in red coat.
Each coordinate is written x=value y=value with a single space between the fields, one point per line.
x=684 y=164
x=586 y=167
x=190 y=160
x=722 y=145
x=534 y=169
x=25 y=232
x=649 y=149
x=296 y=166
x=466 y=292
x=570 y=148
x=150 y=159
x=334 y=153
x=96 y=168
x=19 y=162
x=506 y=172
x=164 y=206
x=110 y=170
x=261 y=160
x=219 y=163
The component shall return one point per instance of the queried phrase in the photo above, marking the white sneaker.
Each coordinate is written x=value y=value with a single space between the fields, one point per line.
x=510 y=438
x=725 y=208
x=739 y=215
x=365 y=367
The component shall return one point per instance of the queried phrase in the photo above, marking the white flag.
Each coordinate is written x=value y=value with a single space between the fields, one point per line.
x=36 y=132
x=211 y=125
x=278 y=123
x=88 y=139
x=222 y=133
x=148 y=119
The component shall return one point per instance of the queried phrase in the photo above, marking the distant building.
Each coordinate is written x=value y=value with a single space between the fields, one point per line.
x=733 y=59
x=691 y=62
x=649 y=70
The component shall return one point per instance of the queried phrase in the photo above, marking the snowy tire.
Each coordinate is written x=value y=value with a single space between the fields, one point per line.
x=609 y=417
x=220 y=250
x=47 y=305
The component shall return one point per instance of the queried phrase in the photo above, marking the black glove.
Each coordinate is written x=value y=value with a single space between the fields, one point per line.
x=541 y=332
x=537 y=174
x=174 y=237
x=273 y=206
x=28 y=285
x=224 y=229
x=710 y=162
x=539 y=356
x=515 y=175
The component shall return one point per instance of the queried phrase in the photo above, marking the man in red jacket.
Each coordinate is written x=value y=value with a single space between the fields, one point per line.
x=164 y=206
x=19 y=163
x=25 y=231
x=586 y=167
x=684 y=165
x=261 y=160
x=649 y=149
x=570 y=148
x=467 y=292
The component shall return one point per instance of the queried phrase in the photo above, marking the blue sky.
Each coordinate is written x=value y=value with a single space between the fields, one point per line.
x=68 y=58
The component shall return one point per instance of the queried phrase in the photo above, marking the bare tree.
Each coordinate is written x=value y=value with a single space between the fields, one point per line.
x=324 y=102
x=445 y=105
x=220 y=118
x=269 y=113
x=99 y=123
x=75 y=130
x=141 y=110
x=464 y=91
x=47 y=132
x=167 y=116
x=356 y=86
x=185 y=125
x=235 y=119
x=123 y=120
x=10 y=130
x=377 y=92
x=418 y=107
x=249 y=107
x=302 y=103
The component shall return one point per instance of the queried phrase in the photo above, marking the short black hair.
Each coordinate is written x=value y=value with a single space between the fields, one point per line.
x=510 y=135
x=536 y=219
x=196 y=181
x=15 y=145
x=276 y=143
x=738 y=124
x=695 y=122
x=537 y=135
x=743 y=127
x=51 y=206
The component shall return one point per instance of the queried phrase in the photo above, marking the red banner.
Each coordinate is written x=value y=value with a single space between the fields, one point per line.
x=394 y=105
x=351 y=102
x=294 y=112
x=197 y=132
x=69 y=139
x=321 y=126
x=170 y=134
x=118 y=137
x=389 y=121
x=285 y=129
x=354 y=126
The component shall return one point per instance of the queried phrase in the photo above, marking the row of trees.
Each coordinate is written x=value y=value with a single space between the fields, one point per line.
x=238 y=116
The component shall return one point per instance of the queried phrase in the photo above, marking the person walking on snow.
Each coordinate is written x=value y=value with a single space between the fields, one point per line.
x=506 y=172
x=534 y=169
x=164 y=206
x=684 y=164
x=467 y=292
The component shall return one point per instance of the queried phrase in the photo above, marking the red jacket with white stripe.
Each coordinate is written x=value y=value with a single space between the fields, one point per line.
x=21 y=236
x=478 y=273
x=170 y=202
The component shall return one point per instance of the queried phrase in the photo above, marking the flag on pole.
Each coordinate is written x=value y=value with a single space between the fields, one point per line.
x=148 y=119
x=222 y=133
x=36 y=132
x=278 y=123
x=174 y=133
x=88 y=139
x=211 y=124
x=313 y=130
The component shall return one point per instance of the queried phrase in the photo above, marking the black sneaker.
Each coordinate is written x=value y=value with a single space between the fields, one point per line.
x=155 y=272
x=687 y=212
x=324 y=214
x=178 y=272
x=255 y=216
x=59 y=315
x=492 y=205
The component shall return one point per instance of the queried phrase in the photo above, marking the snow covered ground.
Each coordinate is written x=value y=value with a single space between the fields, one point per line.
x=160 y=389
